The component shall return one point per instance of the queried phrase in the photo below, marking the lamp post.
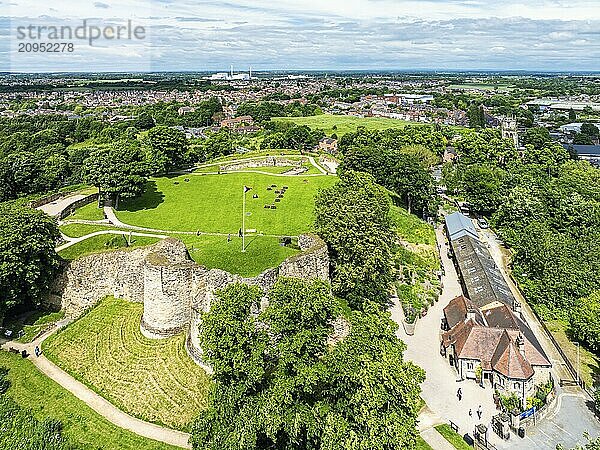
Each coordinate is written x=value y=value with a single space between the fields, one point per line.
x=246 y=189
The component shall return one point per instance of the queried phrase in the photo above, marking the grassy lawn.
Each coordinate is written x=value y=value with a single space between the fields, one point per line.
x=215 y=252
x=270 y=169
x=454 y=438
x=589 y=362
x=154 y=380
x=411 y=228
x=346 y=124
x=213 y=203
x=83 y=229
x=103 y=242
x=47 y=400
x=422 y=445
x=88 y=212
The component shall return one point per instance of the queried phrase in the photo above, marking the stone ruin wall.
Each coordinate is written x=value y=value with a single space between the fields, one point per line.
x=173 y=288
x=270 y=161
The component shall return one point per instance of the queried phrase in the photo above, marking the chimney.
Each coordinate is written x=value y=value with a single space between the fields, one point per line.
x=520 y=344
x=471 y=313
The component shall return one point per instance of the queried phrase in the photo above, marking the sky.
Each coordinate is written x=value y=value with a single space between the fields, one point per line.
x=185 y=35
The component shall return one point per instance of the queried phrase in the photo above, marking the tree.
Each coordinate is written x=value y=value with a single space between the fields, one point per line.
x=280 y=384
x=28 y=261
x=585 y=321
x=476 y=116
x=118 y=171
x=572 y=115
x=582 y=139
x=589 y=129
x=538 y=137
x=353 y=218
x=168 y=148
x=482 y=185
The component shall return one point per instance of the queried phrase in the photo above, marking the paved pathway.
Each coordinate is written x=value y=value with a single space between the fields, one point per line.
x=56 y=207
x=441 y=385
x=97 y=403
x=436 y=440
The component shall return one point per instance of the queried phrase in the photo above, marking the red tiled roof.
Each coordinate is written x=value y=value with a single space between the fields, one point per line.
x=509 y=361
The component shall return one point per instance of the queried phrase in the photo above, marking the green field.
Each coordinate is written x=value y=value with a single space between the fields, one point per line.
x=454 y=438
x=214 y=252
x=213 y=203
x=154 y=380
x=82 y=229
x=346 y=124
x=32 y=390
x=87 y=212
x=104 y=242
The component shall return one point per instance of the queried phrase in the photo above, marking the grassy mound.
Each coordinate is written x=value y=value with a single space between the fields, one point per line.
x=154 y=380
x=104 y=242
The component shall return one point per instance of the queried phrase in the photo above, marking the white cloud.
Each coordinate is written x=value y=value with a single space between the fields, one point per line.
x=344 y=34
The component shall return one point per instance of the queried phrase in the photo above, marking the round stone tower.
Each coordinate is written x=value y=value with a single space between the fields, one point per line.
x=167 y=290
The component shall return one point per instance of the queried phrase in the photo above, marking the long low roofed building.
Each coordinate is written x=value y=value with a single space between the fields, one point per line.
x=485 y=335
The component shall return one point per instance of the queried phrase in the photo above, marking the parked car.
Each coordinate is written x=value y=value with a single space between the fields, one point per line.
x=482 y=223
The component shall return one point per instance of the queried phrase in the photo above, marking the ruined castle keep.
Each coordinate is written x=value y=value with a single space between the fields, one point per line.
x=173 y=288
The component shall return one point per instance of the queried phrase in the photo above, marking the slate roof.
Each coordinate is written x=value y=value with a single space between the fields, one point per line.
x=458 y=225
x=483 y=280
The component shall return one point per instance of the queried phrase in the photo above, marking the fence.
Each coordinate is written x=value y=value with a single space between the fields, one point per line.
x=563 y=355
x=44 y=200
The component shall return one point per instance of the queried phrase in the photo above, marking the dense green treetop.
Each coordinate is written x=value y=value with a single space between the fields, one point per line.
x=279 y=383
x=28 y=261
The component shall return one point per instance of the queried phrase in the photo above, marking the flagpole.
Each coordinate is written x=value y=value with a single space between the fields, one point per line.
x=244 y=220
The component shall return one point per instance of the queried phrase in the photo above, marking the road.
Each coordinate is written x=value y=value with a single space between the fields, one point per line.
x=441 y=385
x=572 y=415
x=55 y=208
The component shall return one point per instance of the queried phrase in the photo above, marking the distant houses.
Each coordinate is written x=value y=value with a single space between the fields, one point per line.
x=485 y=337
x=328 y=145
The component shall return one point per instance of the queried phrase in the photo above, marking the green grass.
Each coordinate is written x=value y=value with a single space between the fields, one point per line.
x=454 y=438
x=32 y=390
x=215 y=252
x=88 y=212
x=154 y=380
x=412 y=229
x=422 y=445
x=213 y=203
x=589 y=363
x=82 y=229
x=103 y=242
x=346 y=124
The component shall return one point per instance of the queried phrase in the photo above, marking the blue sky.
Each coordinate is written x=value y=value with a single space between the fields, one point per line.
x=549 y=35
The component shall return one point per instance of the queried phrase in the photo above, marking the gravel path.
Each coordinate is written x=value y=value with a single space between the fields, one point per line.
x=96 y=402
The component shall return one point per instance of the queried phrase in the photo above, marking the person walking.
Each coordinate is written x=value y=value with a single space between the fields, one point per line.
x=479 y=412
x=459 y=394
x=470 y=412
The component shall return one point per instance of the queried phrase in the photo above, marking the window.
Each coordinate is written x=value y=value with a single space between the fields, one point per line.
x=469 y=365
x=517 y=386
